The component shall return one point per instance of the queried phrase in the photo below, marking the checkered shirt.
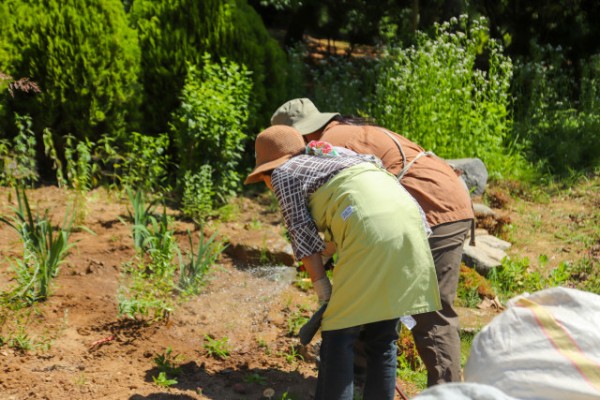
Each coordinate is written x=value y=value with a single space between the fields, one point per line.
x=293 y=183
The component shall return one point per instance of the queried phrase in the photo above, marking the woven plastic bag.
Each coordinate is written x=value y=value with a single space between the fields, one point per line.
x=462 y=391
x=544 y=346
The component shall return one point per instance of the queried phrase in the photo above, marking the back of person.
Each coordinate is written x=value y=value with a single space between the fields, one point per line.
x=430 y=180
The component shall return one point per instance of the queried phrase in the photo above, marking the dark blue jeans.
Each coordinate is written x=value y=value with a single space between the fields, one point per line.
x=336 y=370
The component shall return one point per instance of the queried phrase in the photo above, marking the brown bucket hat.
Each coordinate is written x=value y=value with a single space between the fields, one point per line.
x=301 y=114
x=273 y=147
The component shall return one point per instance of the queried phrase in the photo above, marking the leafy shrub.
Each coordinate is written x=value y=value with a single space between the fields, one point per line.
x=144 y=162
x=438 y=94
x=84 y=57
x=198 y=193
x=208 y=128
x=344 y=85
x=556 y=116
x=19 y=163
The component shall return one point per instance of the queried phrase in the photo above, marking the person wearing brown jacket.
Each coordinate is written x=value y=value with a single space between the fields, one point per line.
x=441 y=194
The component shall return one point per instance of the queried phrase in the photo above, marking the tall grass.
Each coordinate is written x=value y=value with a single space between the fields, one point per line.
x=45 y=248
x=192 y=273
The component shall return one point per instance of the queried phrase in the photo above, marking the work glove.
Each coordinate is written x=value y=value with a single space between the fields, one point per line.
x=323 y=289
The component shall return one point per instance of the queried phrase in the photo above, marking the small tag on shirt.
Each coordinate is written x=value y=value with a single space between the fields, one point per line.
x=347 y=212
x=409 y=322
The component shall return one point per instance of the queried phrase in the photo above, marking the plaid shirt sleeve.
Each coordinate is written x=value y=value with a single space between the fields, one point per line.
x=296 y=215
x=294 y=182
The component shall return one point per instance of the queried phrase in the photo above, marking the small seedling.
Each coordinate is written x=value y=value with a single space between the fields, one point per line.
x=166 y=362
x=264 y=345
x=216 y=347
x=163 y=381
x=292 y=355
x=295 y=322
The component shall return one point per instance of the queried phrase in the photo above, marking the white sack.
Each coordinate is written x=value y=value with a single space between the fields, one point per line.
x=544 y=346
x=462 y=391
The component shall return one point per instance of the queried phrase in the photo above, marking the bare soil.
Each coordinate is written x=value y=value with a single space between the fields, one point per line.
x=82 y=349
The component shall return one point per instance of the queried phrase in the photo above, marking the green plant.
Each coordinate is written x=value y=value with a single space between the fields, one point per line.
x=343 y=84
x=160 y=245
x=143 y=162
x=143 y=296
x=80 y=379
x=78 y=163
x=83 y=54
x=163 y=381
x=192 y=273
x=292 y=354
x=216 y=348
x=303 y=281
x=517 y=276
x=167 y=361
x=586 y=274
x=409 y=364
x=466 y=342
x=140 y=216
x=262 y=344
x=45 y=248
x=208 y=127
x=198 y=193
x=20 y=342
x=149 y=282
x=556 y=111
x=434 y=94
x=173 y=33
x=19 y=159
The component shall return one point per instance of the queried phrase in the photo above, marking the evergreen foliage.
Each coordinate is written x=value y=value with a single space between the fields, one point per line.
x=174 y=32
x=254 y=47
x=84 y=57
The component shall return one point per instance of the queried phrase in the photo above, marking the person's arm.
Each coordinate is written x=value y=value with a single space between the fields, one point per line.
x=314 y=267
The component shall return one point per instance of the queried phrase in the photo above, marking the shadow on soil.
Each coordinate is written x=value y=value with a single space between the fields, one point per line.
x=228 y=384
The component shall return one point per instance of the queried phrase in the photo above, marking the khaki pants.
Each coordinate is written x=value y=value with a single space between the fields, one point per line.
x=437 y=334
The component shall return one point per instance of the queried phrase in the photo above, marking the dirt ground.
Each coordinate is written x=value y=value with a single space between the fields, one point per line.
x=81 y=349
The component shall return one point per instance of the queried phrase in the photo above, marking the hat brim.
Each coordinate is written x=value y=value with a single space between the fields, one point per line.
x=256 y=174
x=313 y=123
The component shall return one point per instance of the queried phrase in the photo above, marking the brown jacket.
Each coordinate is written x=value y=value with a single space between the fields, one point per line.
x=430 y=180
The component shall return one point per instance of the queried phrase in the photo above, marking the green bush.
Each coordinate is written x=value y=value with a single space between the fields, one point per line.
x=18 y=159
x=557 y=117
x=438 y=94
x=175 y=32
x=253 y=46
x=84 y=57
x=344 y=85
x=208 y=127
x=144 y=162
